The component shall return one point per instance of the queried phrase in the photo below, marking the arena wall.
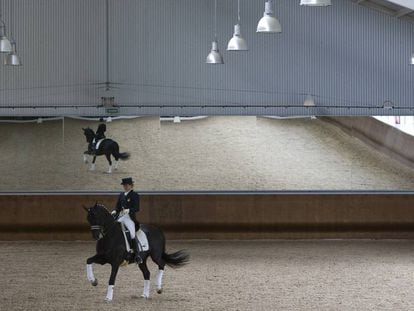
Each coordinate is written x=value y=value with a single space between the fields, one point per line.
x=219 y=216
x=385 y=138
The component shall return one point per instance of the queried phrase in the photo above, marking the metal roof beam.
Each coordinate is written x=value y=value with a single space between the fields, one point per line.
x=403 y=12
x=409 y=4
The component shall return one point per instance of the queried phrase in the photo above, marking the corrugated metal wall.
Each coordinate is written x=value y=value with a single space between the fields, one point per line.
x=350 y=58
x=62 y=46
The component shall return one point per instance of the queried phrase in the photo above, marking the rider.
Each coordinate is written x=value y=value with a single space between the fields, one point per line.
x=126 y=207
x=100 y=134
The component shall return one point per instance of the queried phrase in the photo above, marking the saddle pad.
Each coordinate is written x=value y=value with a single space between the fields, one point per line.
x=99 y=143
x=142 y=238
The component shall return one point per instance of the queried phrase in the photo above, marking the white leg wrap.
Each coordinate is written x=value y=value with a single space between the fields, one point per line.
x=85 y=158
x=159 y=279
x=92 y=167
x=146 y=292
x=110 y=169
x=110 y=293
x=116 y=165
x=89 y=273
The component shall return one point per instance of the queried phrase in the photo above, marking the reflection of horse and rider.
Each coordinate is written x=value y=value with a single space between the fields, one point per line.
x=99 y=136
x=99 y=145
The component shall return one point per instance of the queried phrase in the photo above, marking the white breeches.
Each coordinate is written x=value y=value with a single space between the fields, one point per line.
x=127 y=221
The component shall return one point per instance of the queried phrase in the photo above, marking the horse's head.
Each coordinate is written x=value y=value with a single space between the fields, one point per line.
x=97 y=218
x=89 y=134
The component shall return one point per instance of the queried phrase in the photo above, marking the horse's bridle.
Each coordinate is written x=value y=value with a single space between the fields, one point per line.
x=101 y=229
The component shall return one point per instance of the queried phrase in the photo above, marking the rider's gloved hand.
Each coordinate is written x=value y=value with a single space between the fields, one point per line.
x=114 y=214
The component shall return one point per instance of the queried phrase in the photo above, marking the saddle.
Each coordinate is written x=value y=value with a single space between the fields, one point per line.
x=141 y=236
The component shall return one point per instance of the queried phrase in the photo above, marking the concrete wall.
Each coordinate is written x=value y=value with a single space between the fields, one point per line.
x=381 y=136
x=219 y=216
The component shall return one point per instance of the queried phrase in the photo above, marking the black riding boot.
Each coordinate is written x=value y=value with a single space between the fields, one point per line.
x=135 y=245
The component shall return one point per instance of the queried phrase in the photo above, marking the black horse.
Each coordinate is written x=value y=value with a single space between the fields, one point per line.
x=111 y=248
x=106 y=147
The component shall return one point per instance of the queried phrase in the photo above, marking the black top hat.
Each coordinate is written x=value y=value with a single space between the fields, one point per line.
x=127 y=181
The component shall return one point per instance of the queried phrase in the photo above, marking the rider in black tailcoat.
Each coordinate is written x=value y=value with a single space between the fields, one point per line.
x=100 y=134
x=125 y=209
x=129 y=201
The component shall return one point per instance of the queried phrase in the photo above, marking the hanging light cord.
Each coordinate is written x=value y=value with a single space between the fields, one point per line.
x=238 y=11
x=11 y=20
x=2 y=23
x=215 y=20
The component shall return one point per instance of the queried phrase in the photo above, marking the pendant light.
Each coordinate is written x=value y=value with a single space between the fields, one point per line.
x=214 y=57
x=269 y=23
x=309 y=101
x=315 y=2
x=412 y=59
x=237 y=42
x=5 y=45
x=12 y=59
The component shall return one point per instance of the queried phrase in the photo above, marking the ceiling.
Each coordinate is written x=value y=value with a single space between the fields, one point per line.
x=350 y=59
x=402 y=9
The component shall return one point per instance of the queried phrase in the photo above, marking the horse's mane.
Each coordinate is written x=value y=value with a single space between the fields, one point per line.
x=89 y=131
x=101 y=207
x=89 y=134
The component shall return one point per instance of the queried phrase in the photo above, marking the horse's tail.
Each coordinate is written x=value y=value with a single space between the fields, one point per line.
x=119 y=155
x=177 y=259
x=123 y=155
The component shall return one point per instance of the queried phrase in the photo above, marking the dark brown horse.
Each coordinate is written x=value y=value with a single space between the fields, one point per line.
x=107 y=147
x=111 y=249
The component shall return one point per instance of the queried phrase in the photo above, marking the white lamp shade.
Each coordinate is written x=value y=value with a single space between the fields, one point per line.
x=5 y=45
x=309 y=101
x=315 y=2
x=12 y=59
x=237 y=42
x=269 y=23
x=214 y=57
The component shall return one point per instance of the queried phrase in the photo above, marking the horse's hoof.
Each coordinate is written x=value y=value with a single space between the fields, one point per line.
x=159 y=291
x=95 y=282
x=108 y=300
x=144 y=296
